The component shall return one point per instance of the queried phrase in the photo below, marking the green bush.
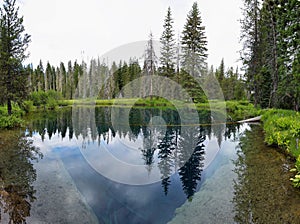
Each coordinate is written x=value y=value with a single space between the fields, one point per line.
x=34 y=97
x=52 y=94
x=47 y=99
x=52 y=104
x=296 y=179
x=239 y=110
x=27 y=106
x=10 y=121
x=282 y=128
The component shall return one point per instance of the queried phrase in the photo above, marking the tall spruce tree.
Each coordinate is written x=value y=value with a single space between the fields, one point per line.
x=194 y=43
x=168 y=47
x=13 y=45
x=250 y=54
x=288 y=25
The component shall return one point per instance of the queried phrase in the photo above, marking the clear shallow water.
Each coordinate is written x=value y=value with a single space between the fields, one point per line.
x=182 y=174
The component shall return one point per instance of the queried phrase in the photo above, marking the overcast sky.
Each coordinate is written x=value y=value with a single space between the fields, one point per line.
x=62 y=29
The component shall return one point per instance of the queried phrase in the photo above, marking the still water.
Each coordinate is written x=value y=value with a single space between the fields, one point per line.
x=118 y=165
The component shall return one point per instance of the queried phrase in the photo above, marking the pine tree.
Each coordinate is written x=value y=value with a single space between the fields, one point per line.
x=220 y=75
x=41 y=76
x=70 y=81
x=168 y=48
x=13 y=45
x=48 y=77
x=194 y=43
x=288 y=25
x=250 y=54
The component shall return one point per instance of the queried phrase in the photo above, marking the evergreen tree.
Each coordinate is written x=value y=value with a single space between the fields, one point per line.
x=288 y=25
x=271 y=50
x=194 y=44
x=212 y=86
x=13 y=45
x=250 y=54
x=40 y=76
x=62 y=79
x=70 y=81
x=168 y=48
x=268 y=78
x=221 y=73
x=48 y=77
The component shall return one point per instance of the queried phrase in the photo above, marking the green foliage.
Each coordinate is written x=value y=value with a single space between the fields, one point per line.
x=194 y=43
x=282 y=128
x=168 y=49
x=10 y=121
x=38 y=98
x=27 y=106
x=270 y=35
x=296 y=179
x=52 y=103
x=54 y=95
x=47 y=99
x=240 y=110
x=14 y=43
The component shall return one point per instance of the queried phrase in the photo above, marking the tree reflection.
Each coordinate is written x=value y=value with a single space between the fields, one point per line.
x=17 y=175
x=164 y=144
x=191 y=159
x=167 y=147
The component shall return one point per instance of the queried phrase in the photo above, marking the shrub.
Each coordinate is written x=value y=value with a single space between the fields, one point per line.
x=47 y=99
x=296 y=179
x=10 y=121
x=52 y=103
x=54 y=95
x=27 y=106
x=34 y=97
x=282 y=128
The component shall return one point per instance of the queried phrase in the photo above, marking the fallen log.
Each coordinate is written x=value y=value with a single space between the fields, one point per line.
x=254 y=119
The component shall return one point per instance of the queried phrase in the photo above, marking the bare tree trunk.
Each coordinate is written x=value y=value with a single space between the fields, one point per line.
x=9 y=108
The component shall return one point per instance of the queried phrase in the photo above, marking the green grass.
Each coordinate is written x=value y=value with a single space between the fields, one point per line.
x=236 y=110
x=136 y=102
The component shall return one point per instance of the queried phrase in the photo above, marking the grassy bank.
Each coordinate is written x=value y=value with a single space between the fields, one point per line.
x=282 y=128
x=43 y=101
x=236 y=110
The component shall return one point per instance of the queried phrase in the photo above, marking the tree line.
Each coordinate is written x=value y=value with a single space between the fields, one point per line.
x=182 y=60
x=271 y=56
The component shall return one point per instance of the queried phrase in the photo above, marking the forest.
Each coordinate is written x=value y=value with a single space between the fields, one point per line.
x=270 y=55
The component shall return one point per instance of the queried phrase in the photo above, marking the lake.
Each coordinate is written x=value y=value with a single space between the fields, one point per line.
x=142 y=165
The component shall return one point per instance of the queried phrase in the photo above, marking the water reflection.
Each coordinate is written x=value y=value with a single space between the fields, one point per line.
x=263 y=193
x=17 y=175
x=153 y=139
x=162 y=143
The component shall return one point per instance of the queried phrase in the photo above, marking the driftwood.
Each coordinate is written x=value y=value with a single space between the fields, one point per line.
x=254 y=119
